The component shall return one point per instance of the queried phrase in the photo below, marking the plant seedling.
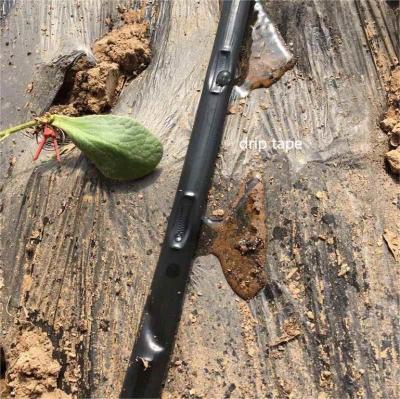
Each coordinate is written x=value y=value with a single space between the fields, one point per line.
x=120 y=147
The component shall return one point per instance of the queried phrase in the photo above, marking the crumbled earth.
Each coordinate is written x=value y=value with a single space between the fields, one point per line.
x=239 y=243
x=393 y=159
x=127 y=47
x=389 y=71
x=93 y=85
x=391 y=122
x=33 y=371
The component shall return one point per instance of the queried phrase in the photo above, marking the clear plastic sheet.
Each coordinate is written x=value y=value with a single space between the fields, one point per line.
x=269 y=56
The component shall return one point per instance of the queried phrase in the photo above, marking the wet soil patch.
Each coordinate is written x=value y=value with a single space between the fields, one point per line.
x=239 y=241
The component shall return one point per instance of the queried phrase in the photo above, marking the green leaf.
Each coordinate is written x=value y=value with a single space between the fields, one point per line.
x=121 y=148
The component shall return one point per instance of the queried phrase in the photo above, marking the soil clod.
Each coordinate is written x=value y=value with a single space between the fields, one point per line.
x=33 y=371
x=93 y=87
x=391 y=122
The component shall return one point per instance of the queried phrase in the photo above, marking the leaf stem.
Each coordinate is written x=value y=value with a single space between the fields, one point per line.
x=7 y=132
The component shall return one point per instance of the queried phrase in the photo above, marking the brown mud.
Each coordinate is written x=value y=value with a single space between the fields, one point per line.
x=240 y=241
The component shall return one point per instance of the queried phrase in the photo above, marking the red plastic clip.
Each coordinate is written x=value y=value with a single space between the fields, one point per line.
x=48 y=133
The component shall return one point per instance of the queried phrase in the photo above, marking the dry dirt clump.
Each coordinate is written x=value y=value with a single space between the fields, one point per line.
x=128 y=46
x=391 y=121
x=93 y=86
x=33 y=371
x=389 y=70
